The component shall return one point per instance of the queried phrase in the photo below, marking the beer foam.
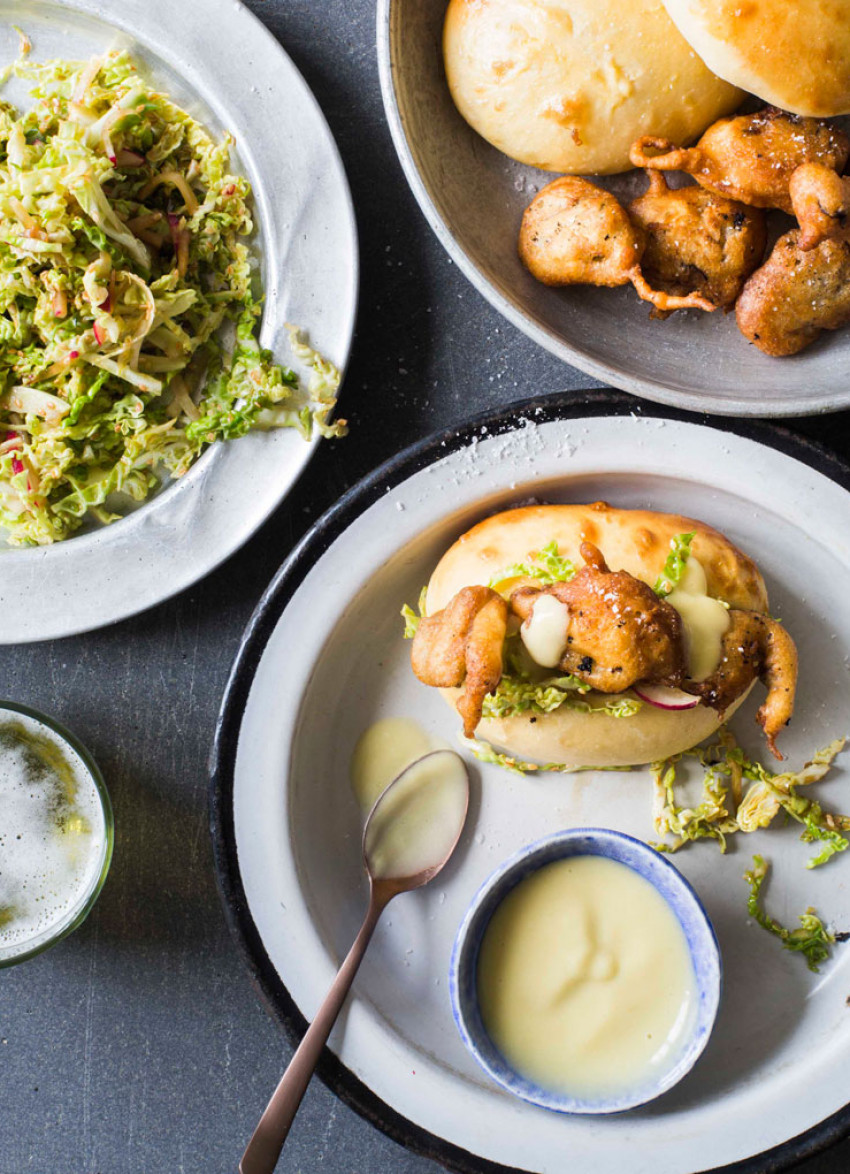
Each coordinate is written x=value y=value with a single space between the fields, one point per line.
x=52 y=833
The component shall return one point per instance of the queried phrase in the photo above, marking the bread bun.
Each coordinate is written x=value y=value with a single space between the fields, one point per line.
x=637 y=541
x=571 y=738
x=792 y=53
x=568 y=85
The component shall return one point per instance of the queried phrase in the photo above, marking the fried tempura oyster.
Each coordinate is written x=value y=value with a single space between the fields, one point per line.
x=575 y=233
x=751 y=157
x=696 y=241
x=796 y=295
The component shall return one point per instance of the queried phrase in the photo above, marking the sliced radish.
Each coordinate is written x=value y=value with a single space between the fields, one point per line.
x=663 y=697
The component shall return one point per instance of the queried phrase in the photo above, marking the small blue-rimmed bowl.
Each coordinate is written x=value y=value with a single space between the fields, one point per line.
x=682 y=900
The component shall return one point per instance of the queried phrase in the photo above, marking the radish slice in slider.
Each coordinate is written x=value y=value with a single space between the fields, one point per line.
x=664 y=697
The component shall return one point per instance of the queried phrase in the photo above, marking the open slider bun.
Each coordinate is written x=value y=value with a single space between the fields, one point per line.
x=637 y=541
x=791 y=53
x=568 y=85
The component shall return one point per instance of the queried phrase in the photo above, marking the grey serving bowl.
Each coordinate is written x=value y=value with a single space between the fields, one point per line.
x=473 y=197
x=681 y=899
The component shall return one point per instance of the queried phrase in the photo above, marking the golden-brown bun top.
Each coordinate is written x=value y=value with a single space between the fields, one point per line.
x=568 y=85
x=637 y=541
x=792 y=53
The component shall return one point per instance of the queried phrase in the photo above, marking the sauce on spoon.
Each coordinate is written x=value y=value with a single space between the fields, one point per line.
x=416 y=822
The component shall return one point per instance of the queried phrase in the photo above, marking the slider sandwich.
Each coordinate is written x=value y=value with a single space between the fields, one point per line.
x=585 y=635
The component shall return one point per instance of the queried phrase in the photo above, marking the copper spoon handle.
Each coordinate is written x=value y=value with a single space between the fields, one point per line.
x=263 y=1150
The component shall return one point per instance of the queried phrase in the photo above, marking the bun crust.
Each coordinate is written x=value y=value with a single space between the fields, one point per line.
x=792 y=53
x=568 y=85
x=637 y=541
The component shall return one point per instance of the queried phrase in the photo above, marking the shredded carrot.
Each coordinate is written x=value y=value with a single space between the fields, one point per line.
x=154 y=240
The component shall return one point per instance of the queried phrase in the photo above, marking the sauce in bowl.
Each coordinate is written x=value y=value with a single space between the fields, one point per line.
x=586 y=974
x=585 y=982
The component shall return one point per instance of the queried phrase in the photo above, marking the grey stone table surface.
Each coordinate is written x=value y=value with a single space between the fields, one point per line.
x=138 y=1046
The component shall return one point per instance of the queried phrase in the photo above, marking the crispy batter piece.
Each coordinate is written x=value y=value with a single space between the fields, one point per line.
x=821 y=202
x=574 y=233
x=754 y=646
x=796 y=295
x=619 y=630
x=750 y=158
x=697 y=241
x=462 y=645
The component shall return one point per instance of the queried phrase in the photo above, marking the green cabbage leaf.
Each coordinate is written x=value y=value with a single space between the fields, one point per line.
x=546 y=567
x=674 y=567
x=812 y=939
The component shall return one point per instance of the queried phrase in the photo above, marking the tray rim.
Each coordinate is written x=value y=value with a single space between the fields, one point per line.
x=316 y=541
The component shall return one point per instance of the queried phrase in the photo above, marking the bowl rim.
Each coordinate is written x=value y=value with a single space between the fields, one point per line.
x=500 y=299
x=193 y=524
x=47 y=939
x=679 y=896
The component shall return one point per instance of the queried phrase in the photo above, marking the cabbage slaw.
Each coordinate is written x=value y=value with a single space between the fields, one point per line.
x=123 y=259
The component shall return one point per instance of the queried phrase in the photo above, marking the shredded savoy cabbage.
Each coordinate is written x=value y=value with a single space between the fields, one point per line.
x=487 y=753
x=123 y=255
x=813 y=940
x=547 y=566
x=674 y=567
x=726 y=808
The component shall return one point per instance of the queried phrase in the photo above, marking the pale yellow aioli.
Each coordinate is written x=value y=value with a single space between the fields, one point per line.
x=418 y=819
x=585 y=981
x=544 y=633
x=382 y=752
x=706 y=620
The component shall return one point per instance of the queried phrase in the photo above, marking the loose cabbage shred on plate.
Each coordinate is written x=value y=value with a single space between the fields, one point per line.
x=123 y=259
x=812 y=939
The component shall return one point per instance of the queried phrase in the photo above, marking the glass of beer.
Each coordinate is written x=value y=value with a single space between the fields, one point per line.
x=56 y=833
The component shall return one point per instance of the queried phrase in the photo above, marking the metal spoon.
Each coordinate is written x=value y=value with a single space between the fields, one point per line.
x=432 y=794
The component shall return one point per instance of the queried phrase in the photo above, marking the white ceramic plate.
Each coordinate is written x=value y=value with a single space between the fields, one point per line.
x=230 y=72
x=323 y=658
x=473 y=197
